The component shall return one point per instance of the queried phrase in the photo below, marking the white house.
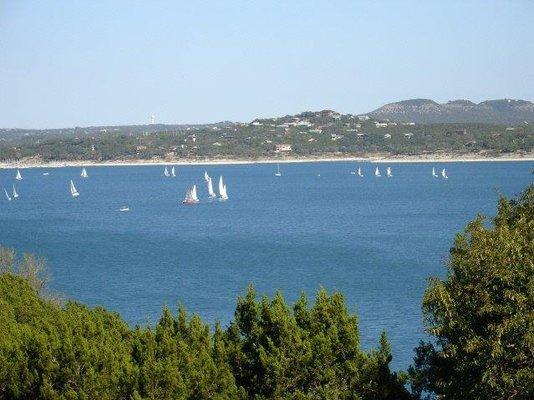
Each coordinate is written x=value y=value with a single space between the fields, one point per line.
x=283 y=148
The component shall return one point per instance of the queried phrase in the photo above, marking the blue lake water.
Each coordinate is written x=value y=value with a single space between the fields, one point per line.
x=375 y=239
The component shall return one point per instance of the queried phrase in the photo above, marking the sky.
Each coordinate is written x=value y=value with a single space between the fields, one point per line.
x=82 y=63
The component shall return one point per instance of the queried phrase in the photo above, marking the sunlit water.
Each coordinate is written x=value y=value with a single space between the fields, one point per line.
x=375 y=239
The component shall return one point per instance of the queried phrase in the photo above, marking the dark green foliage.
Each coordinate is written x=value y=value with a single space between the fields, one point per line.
x=49 y=351
x=277 y=352
x=482 y=315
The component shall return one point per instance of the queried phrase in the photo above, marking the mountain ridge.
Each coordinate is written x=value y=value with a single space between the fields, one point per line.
x=498 y=111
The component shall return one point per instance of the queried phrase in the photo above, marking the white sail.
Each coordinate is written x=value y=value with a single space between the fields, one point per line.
x=15 y=194
x=222 y=189
x=278 y=173
x=434 y=172
x=84 y=173
x=166 y=172
x=211 y=193
x=191 y=196
x=360 y=172
x=388 y=172
x=7 y=195
x=444 y=174
x=19 y=176
x=377 y=172
x=73 y=191
x=173 y=173
x=206 y=176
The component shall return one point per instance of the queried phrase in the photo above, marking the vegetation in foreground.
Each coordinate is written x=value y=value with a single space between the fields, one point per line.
x=481 y=316
x=270 y=350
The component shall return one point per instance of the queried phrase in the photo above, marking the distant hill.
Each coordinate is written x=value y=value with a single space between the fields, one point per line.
x=505 y=111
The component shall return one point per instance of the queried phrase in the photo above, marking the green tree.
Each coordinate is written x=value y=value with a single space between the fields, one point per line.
x=482 y=314
x=278 y=352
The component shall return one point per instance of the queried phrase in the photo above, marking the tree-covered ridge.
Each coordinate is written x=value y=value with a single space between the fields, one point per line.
x=503 y=111
x=310 y=134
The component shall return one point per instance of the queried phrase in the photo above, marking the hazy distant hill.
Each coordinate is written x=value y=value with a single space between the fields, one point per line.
x=504 y=111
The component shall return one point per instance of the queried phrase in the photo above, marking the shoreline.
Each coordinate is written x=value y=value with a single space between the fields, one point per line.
x=446 y=158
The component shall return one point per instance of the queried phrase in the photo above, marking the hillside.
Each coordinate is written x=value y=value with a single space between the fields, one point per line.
x=309 y=134
x=504 y=111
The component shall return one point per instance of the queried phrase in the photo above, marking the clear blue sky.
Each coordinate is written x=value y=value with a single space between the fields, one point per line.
x=68 y=63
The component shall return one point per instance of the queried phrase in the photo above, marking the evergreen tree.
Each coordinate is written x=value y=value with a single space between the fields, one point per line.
x=482 y=314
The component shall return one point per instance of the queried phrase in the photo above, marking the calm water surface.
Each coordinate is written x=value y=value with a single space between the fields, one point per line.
x=376 y=240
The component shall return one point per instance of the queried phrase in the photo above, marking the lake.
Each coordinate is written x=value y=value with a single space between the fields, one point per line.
x=375 y=239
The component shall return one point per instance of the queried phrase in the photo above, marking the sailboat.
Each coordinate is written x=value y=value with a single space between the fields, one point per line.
x=73 y=191
x=7 y=195
x=444 y=174
x=166 y=172
x=173 y=173
x=206 y=176
x=211 y=193
x=191 y=196
x=377 y=173
x=360 y=172
x=388 y=172
x=222 y=190
x=84 y=173
x=19 y=176
x=15 y=194
x=434 y=172
x=278 y=173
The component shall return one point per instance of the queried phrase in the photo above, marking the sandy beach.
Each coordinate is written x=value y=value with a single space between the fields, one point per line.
x=430 y=158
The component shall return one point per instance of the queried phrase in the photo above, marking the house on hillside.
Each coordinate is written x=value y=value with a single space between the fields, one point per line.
x=363 y=117
x=283 y=148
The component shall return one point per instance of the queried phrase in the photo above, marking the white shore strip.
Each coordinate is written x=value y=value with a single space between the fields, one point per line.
x=372 y=159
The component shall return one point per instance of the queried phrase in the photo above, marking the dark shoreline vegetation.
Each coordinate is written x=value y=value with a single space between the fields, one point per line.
x=310 y=134
x=480 y=318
